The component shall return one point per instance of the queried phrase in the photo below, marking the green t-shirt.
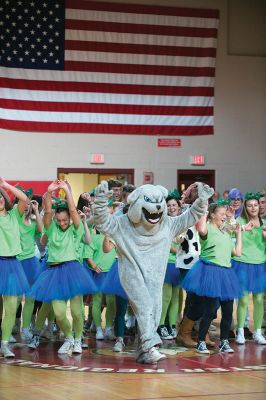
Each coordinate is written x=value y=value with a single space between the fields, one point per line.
x=253 y=245
x=9 y=233
x=95 y=252
x=172 y=256
x=63 y=245
x=216 y=247
x=27 y=239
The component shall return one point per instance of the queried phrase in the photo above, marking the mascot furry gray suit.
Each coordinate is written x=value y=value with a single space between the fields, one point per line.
x=143 y=238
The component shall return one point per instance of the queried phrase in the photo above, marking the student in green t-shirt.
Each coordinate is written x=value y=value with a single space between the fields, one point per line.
x=212 y=280
x=13 y=281
x=250 y=267
x=65 y=278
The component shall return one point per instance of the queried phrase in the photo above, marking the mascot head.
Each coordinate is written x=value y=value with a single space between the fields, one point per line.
x=147 y=205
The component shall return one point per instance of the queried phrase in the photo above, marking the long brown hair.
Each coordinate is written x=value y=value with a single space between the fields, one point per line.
x=8 y=204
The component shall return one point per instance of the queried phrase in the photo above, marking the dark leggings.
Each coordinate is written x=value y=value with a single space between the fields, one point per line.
x=121 y=309
x=205 y=308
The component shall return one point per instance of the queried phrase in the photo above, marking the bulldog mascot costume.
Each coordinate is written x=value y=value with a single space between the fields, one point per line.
x=143 y=238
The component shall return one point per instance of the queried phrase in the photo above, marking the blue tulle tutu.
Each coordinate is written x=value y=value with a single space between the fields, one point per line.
x=252 y=277
x=32 y=268
x=13 y=281
x=111 y=283
x=62 y=282
x=211 y=280
x=172 y=275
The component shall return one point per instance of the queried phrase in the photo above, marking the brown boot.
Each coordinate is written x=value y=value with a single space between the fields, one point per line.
x=184 y=334
x=208 y=341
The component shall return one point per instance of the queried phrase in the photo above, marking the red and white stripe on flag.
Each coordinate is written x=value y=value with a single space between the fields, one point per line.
x=126 y=69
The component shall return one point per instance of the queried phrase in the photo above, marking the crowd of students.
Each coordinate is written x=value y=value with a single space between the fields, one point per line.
x=51 y=253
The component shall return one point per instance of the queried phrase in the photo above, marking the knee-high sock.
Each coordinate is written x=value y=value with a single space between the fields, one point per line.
x=167 y=294
x=174 y=306
x=41 y=316
x=242 y=310
x=27 y=312
x=60 y=308
x=97 y=308
x=76 y=306
x=10 y=308
x=258 y=310
x=110 y=310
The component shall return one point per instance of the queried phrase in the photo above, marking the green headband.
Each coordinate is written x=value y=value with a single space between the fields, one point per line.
x=28 y=192
x=59 y=203
x=250 y=196
x=175 y=194
x=222 y=202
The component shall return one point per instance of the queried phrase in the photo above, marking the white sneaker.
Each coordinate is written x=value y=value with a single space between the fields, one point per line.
x=258 y=338
x=151 y=357
x=5 y=349
x=109 y=333
x=99 y=333
x=240 y=337
x=26 y=335
x=202 y=348
x=66 y=346
x=119 y=345
x=12 y=339
x=77 y=349
x=131 y=321
x=35 y=341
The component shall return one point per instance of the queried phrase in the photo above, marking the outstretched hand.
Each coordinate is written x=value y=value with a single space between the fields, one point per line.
x=102 y=190
x=2 y=182
x=204 y=191
x=53 y=186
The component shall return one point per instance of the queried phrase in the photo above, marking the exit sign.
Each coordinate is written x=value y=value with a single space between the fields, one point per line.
x=198 y=159
x=97 y=158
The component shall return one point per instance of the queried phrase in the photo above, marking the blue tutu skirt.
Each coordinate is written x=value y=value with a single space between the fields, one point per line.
x=13 y=281
x=62 y=282
x=110 y=284
x=172 y=275
x=32 y=268
x=252 y=277
x=211 y=280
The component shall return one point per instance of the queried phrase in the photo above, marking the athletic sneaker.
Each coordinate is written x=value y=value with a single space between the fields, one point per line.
x=119 y=345
x=109 y=333
x=26 y=335
x=12 y=339
x=77 y=349
x=99 y=333
x=258 y=338
x=202 y=348
x=6 y=352
x=240 y=337
x=225 y=347
x=151 y=357
x=173 y=332
x=163 y=333
x=66 y=346
x=35 y=341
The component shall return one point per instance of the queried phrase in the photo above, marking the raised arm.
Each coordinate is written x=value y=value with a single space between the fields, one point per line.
x=103 y=220
x=35 y=207
x=22 y=198
x=70 y=201
x=47 y=218
x=87 y=237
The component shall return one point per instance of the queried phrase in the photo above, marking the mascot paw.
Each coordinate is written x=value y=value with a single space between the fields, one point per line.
x=204 y=191
x=102 y=190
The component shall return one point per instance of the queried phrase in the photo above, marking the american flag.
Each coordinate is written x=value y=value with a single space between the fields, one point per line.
x=95 y=67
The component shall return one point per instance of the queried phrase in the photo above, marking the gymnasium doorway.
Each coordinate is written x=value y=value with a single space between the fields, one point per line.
x=186 y=177
x=86 y=179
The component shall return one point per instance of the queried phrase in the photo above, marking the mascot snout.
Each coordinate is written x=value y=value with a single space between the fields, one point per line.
x=147 y=204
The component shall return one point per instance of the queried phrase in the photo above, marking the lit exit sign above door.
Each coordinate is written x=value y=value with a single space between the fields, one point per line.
x=198 y=159
x=97 y=158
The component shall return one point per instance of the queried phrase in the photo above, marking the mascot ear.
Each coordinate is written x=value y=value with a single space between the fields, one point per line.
x=134 y=195
x=163 y=190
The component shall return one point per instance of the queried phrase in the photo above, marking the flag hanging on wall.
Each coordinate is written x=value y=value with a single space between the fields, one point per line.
x=95 y=67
